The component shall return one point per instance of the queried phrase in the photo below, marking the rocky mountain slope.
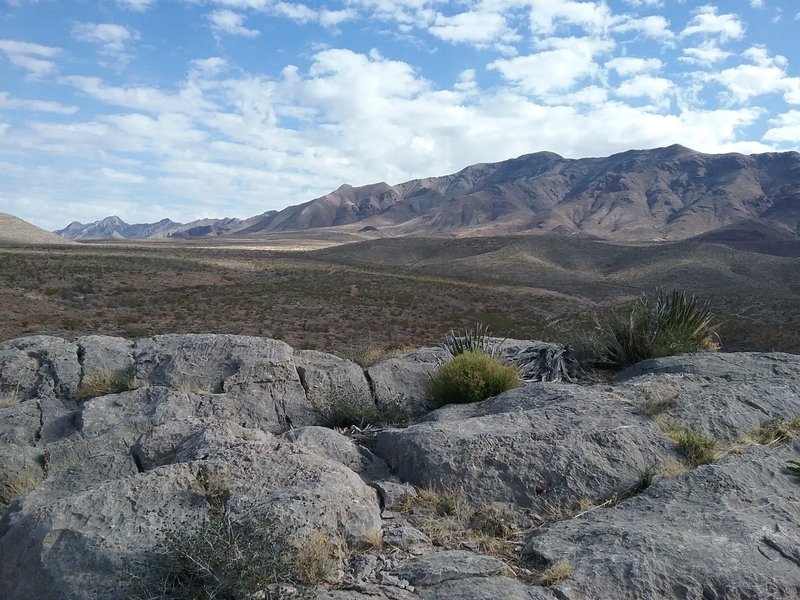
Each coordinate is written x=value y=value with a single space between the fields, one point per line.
x=666 y=193
x=16 y=231
x=661 y=194
x=554 y=501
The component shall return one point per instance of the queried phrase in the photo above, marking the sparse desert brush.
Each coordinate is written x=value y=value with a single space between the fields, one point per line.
x=776 y=431
x=471 y=377
x=652 y=403
x=316 y=560
x=669 y=324
x=106 y=381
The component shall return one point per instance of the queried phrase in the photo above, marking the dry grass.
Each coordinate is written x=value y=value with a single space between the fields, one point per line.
x=10 y=398
x=106 y=381
x=776 y=431
x=653 y=402
x=698 y=448
x=316 y=560
x=15 y=486
x=555 y=573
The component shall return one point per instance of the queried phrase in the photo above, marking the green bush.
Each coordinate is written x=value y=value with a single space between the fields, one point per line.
x=672 y=323
x=471 y=377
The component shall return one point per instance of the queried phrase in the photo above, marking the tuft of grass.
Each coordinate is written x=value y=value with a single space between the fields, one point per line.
x=494 y=520
x=471 y=377
x=652 y=403
x=697 y=447
x=10 y=398
x=106 y=381
x=669 y=324
x=776 y=431
x=555 y=573
x=348 y=406
x=316 y=560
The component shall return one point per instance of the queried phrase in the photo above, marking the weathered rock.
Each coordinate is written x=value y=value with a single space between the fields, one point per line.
x=393 y=493
x=208 y=364
x=328 y=380
x=437 y=567
x=406 y=538
x=726 y=395
x=326 y=442
x=21 y=470
x=539 y=446
x=402 y=382
x=485 y=588
x=104 y=352
x=729 y=530
x=39 y=366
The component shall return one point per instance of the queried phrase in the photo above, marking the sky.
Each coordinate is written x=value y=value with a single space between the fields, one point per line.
x=188 y=109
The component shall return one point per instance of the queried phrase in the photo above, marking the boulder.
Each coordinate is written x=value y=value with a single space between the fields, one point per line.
x=727 y=530
x=725 y=395
x=329 y=381
x=447 y=565
x=39 y=366
x=486 y=588
x=542 y=446
x=104 y=352
x=402 y=382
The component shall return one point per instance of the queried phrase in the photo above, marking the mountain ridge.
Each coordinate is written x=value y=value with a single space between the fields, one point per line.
x=659 y=194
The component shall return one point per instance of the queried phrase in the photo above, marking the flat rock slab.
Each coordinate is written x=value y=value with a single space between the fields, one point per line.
x=539 y=446
x=39 y=366
x=435 y=568
x=729 y=530
x=402 y=381
x=486 y=588
x=725 y=395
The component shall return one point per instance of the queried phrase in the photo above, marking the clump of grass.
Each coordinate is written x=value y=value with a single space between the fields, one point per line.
x=347 y=406
x=555 y=573
x=471 y=377
x=652 y=403
x=776 y=431
x=316 y=560
x=697 y=447
x=106 y=381
x=10 y=398
x=493 y=519
x=670 y=324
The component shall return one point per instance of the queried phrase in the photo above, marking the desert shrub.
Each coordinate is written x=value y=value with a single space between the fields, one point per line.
x=477 y=339
x=471 y=377
x=106 y=381
x=226 y=559
x=672 y=323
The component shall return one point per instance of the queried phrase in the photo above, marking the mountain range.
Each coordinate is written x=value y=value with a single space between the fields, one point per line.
x=667 y=193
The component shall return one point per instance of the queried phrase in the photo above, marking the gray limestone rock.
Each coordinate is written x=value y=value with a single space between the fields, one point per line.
x=39 y=366
x=433 y=569
x=326 y=442
x=402 y=381
x=486 y=588
x=725 y=395
x=539 y=446
x=729 y=530
x=105 y=352
x=328 y=379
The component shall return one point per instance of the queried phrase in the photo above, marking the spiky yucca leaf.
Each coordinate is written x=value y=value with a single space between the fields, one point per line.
x=794 y=467
x=477 y=339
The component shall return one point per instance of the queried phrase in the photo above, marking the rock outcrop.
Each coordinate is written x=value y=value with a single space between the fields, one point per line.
x=189 y=425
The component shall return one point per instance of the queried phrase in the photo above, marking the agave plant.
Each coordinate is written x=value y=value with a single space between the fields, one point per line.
x=477 y=339
x=672 y=323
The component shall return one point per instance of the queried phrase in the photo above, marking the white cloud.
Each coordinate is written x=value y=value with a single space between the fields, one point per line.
x=785 y=128
x=9 y=102
x=137 y=5
x=34 y=58
x=113 y=39
x=655 y=88
x=707 y=22
x=546 y=15
x=629 y=65
x=707 y=54
x=559 y=69
x=477 y=27
x=653 y=26
x=757 y=3
x=227 y=21
x=765 y=75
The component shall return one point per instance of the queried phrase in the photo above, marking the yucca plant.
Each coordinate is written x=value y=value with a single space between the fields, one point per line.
x=672 y=323
x=477 y=339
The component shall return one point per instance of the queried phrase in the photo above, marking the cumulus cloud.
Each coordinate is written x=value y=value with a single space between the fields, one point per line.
x=707 y=54
x=709 y=23
x=766 y=74
x=7 y=101
x=630 y=65
x=785 y=128
x=136 y=5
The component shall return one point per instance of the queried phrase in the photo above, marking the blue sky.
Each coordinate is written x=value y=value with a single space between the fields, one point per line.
x=209 y=108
